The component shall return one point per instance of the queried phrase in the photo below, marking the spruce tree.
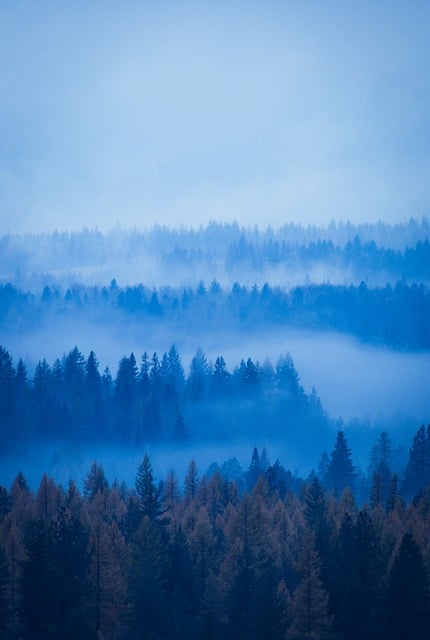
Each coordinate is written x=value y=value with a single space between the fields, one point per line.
x=407 y=604
x=417 y=475
x=341 y=471
x=147 y=492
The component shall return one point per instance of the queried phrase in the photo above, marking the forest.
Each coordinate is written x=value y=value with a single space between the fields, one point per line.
x=329 y=540
x=156 y=402
x=229 y=554
x=398 y=317
x=341 y=253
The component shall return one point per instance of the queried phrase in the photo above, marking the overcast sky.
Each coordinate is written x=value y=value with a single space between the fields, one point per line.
x=181 y=112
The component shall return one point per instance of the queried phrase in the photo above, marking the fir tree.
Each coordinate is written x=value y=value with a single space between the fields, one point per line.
x=341 y=471
x=147 y=492
x=407 y=603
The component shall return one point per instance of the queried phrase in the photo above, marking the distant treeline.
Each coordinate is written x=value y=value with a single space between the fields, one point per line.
x=261 y=554
x=72 y=401
x=396 y=316
x=380 y=252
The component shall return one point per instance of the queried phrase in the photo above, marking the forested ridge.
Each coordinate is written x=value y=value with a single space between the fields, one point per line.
x=290 y=255
x=260 y=554
x=396 y=316
x=266 y=552
x=153 y=401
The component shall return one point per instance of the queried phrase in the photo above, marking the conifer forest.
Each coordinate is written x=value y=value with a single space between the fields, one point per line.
x=216 y=495
x=214 y=320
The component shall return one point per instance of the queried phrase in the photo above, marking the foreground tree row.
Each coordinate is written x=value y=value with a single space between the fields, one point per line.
x=207 y=560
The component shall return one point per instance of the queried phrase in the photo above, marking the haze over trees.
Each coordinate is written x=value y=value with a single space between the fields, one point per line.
x=266 y=551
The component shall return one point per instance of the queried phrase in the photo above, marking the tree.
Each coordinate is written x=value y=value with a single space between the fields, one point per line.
x=75 y=387
x=148 y=494
x=37 y=584
x=199 y=375
x=125 y=395
x=311 y=619
x=191 y=482
x=356 y=578
x=220 y=376
x=341 y=471
x=417 y=475
x=254 y=470
x=380 y=470
x=68 y=544
x=7 y=382
x=407 y=604
x=4 y=588
x=95 y=481
x=94 y=394
x=147 y=581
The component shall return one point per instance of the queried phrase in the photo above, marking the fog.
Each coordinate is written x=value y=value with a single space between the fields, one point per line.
x=351 y=378
x=363 y=344
x=185 y=112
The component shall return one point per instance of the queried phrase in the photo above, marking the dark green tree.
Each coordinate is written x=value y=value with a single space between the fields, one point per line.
x=341 y=471
x=406 y=611
x=148 y=494
x=417 y=475
x=4 y=596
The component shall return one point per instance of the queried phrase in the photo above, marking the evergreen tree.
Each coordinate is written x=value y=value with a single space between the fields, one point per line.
x=220 y=376
x=148 y=494
x=417 y=475
x=7 y=388
x=4 y=599
x=341 y=471
x=198 y=379
x=254 y=470
x=407 y=604
x=147 y=581
x=95 y=481
x=125 y=396
x=37 y=582
x=191 y=482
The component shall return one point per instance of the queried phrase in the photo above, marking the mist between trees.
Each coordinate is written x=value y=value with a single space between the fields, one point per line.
x=254 y=554
x=342 y=253
x=398 y=317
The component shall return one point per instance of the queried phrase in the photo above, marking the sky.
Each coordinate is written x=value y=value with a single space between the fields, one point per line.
x=179 y=113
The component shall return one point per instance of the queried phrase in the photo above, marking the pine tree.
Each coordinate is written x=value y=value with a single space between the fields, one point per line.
x=4 y=589
x=341 y=471
x=147 y=492
x=147 y=581
x=191 y=482
x=198 y=379
x=254 y=470
x=417 y=475
x=37 y=583
x=220 y=376
x=407 y=603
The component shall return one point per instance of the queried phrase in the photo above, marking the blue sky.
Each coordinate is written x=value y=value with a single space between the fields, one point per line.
x=183 y=112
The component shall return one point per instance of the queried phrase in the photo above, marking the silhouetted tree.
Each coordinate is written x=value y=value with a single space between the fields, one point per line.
x=341 y=471
x=407 y=604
